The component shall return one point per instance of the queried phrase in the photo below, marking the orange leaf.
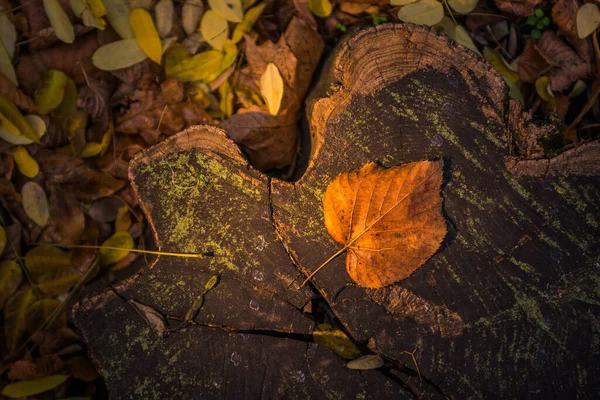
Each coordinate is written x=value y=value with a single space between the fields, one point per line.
x=389 y=220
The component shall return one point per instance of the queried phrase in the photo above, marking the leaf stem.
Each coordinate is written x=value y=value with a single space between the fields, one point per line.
x=159 y=253
x=343 y=249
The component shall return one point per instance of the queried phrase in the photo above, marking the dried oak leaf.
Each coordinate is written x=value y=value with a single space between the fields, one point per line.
x=569 y=67
x=531 y=63
x=271 y=141
x=564 y=14
x=30 y=369
x=522 y=8
x=389 y=220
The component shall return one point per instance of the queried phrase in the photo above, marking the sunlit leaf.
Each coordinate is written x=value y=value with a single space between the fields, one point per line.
x=205 y=67
x=370 y=361
x=59 y=21
x=35 y=203
x=10 y=111
x=321 y=8
x=118 y=55
x=32 y=387
x=45 y=258
x=335 y=340
x=463 y=6
x=40 y=314
x=10 y=278
x=9 y=126
x=542 y=87
x=231 y=10
x=8 y=33
x=226 y=103
x=271 y=88
x=35 y=122
x=51 y=91
x=6 y=67
x=15 y=310
x=163 y=15
x=422 y=12
x=68 y=105
x=214 y=29
x=25 y=163
x=117 y=13
x=588 y=19
x=249 y=19
x=91 y=149
x=120 y=240
x=90 y=12
x=107 y=137
x=146 y=34
x=191 y=13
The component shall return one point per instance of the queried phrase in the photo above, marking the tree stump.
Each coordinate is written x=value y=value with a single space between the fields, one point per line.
x=507 y=307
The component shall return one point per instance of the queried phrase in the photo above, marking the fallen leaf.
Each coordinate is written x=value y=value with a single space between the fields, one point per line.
x=390 y=221
x=463 y=6
x=118 y=55
x=43 y=313
x=191 y=13
x=33 y=386
x=15 y=310
x=249 y=19
x=397 y=3
x=52 y=342
x=152 y=317
x=214 y=29
x=90 y=12
x=117 y=14
x=522 y=8
x=8 y=33
x=231 y=10
x=370 y=361
x=226 y=103
x=47 y=364
x=67 y=221
x=145 y=34
x=335 y=340
x=422 y=12
x=588 y=19
x=105 y=209
x=569 y=67
x=12 y=113
x=50 y=93
x=11 y=92
x=59 y=20
x=564 y=14
x=109 y=254
x=6 y=67
x=531 y=63
x=163 y=15
x=45 y=258
x=496 y=59
x=542 y=87
x=321 y=8
x=82 y=368
x=461 y=36
x=123 y=220
x=58 y=281
x=35 y=203
x=10 y=279
x=271 y=88
x=25 y=163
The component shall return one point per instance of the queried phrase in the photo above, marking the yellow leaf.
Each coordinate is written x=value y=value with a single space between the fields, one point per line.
x=163 y=15
x=214 y=29
x=97 y=8
x=6 y=67
x=422 y=12
x=68 y=105
x=370 y=361
x=496 y=59
x=10 y=111
x=205 y=67
x=91 y=149
x=191 y=13
x=14 y=317
x=83 y=10
x=35 y=122
x=462 y=37
x=121 y=240
x=25 y=163
x=231 y=10
x=321 y=8
x=336 y=341
x=249 y=19
x=32 y=387
x=41 y=313
x=58 y=281
x=463 y=6
x=396 y=3
x=118 y=55
x=117 y=13
x=107 y=137
x=8 y=33
x=588 y=19
x=59 y=21
x=35 y=203
x=2 y=239
x=271 y=88
x=51 y=91
x=9 y=126
x=10 y=279
x=230 y=51
x=226 y=103
x=146 y=34
x=76 y=129
x=542 y=87
x=45 y=258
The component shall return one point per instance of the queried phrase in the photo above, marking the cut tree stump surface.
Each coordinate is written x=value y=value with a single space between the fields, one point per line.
x=507 y=307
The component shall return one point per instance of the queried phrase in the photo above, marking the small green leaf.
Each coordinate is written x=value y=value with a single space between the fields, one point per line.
x=532 y=20
x=539 y=25
x=336 y=341
x=538 y=13
x=59 y=21
x=536 y=33
x=546 y=21
x=35 y=203
x=32 y=387
x=110 y=252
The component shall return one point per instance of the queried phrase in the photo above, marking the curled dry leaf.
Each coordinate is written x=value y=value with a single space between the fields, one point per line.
x=564 y=14
x=569 y=66
x=390 y=221
x=152 y=317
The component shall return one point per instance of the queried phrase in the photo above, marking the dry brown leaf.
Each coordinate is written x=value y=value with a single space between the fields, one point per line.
x=30 y=369
x=51 y=342
x=67 y=221
x=522 y=8
x=116 y=161
x=564 y=14
x=13 y=93
x=569 y=67
x=531 y=63
x=390 y=221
